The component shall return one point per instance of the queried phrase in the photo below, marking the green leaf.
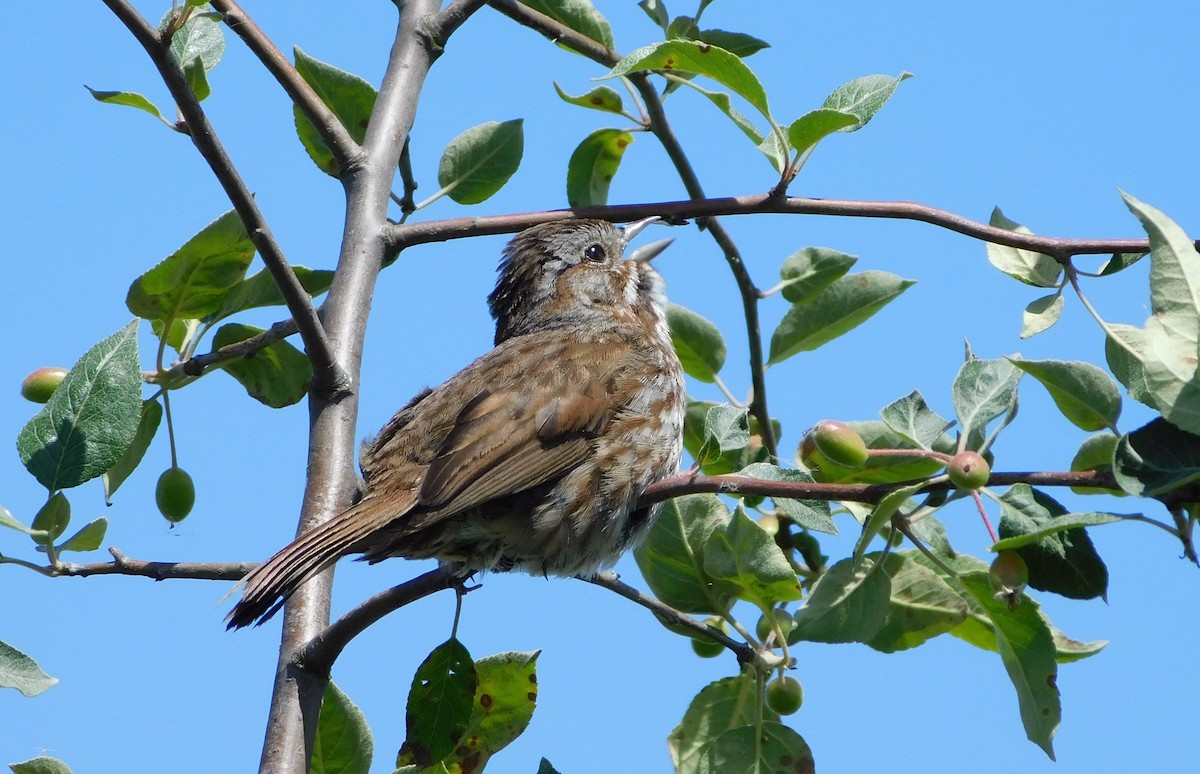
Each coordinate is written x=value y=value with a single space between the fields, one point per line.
x=1028 y=266
x=737 y=455
x=689 y=56
x=744 y=559
x=881 y=515
x=863 y=97
x=1085 y=395
x=847 y=303
x=758 y=748
x=43 y=764
x=737 y=43
x=440 y=704
x=19 y=671
x=1119 y=262
x=87 y=539
x=579 y=15
x=201 y=37
x=343 y=743
x=726 y=428
x=847 y=604
x=698 y=343
x=478 y=162
x=505 y=698
x=1027 y=649
x=884 y=470
x=1157 y=458
x=815 y=125
x=1040 y=314
x=129 y=99
x=672 y=557
x=911 y=418
x=983 y=390
x=657 y=11
x=151 y=416
x=51 y=519
x=730 y=702
x=193 y=281
x=593 y=165
x=809 y=271
x=1062 y=562
x=10 y=521
x=276 y=376
x=1053 y=526
x=770 y=146
x=922 y=605
x=260 y=290
x=350 y=98
x=600 y=98
x=197 y=79
x=1095 y=453
x=91 y=419
x=810 y=514
x=1157 y=363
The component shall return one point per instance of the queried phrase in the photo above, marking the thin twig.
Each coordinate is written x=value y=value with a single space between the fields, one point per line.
x=609 y=580
x=445 y=22
x=1059 y=247
x=341 y=145
x=319 y=653
x=123 y=565
x=328 y=378
x=686 y=483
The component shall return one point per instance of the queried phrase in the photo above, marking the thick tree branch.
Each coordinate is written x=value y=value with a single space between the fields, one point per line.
x=123 y=565
x=319 y=653
x=343 y=147
x=327 y=375
x=1060 y=248
x=296 y=699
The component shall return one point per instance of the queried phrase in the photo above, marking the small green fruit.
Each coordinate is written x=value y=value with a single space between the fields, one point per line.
x=785 y=694
x=1008 y=572
x=41 y=384
x=706 y=648
x=969 y=470
x=839 y=443
x=175 y=494
x=783 y=622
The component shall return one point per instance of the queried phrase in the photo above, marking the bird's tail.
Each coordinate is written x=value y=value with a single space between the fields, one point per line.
x=269 y=585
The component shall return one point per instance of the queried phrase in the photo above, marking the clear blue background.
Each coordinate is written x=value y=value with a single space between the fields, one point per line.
x=1044 y=109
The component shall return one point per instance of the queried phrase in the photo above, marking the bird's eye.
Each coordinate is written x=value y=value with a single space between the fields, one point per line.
x=594 y=253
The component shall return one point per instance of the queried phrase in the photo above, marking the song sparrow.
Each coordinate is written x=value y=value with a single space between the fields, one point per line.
x=531 y=458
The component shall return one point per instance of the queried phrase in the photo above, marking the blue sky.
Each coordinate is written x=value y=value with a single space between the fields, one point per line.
x=1043 y=109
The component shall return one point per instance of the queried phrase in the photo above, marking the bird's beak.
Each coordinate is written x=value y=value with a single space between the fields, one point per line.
x=645 y=253
x=631 y=230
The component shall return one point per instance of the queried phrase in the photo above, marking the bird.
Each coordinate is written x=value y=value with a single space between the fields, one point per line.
x=533 y=457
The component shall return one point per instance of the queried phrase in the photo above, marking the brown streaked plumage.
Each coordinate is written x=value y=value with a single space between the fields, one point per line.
x=533 y=457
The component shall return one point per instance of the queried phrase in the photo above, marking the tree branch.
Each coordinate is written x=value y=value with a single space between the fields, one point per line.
x=1060 y=248
x=318 y=654
x=296 y=698
x=123 y=565
x=343 y=147
x=687 y=483
x=669 y=615
x=327 y=375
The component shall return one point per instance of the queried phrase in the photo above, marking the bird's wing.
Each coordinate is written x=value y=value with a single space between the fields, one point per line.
x=507 y=441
